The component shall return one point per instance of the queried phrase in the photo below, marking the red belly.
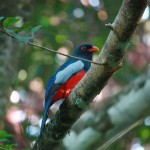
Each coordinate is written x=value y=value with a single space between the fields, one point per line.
x=66 y=88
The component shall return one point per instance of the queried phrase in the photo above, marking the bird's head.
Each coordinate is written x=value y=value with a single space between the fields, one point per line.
x=85 y=51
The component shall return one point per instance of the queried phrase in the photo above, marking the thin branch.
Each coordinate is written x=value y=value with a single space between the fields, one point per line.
x=51 y=50
x=110 y=26
x=120 y=134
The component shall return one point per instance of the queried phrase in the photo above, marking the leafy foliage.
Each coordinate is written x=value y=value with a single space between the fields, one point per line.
x=35 y=29
x=27 y=29
x=5 y=135
x=5 y=141
x=10 y=21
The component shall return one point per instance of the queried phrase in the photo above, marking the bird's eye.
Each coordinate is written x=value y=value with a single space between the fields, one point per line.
x=83 y=47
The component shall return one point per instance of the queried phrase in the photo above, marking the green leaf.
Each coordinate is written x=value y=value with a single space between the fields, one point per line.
x=24 y=39
x=35 y=29
x=9 y=21
x=8 y=147
x=27 y=26
x=1 y=18
x=21 y=38
x=4 y=135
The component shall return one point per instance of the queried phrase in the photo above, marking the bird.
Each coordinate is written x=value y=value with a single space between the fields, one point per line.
x=66 y=77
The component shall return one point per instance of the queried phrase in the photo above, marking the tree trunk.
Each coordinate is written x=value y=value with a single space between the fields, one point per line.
x=98 y=75
x=113 y=118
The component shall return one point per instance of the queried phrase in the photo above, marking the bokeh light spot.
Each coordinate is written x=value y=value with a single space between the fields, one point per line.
x=32 y=130
x=78 y=12
x=61 y=58
x=15 y=115
x=147 y=121
x=147 y=26
x=137 y=146
x=146 y=14
x=54 y=20
x=85 y=2
x=102 y=15
x=34 y=120
x=36 y=85
x=22 y=75
x=94 y=3
x=15 y=97
x=146 y=39
x=60 y=38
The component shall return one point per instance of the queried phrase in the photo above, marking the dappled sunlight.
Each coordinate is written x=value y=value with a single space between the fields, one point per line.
x=15 y=97
x=15 y=116
x=102 y=15
x=147 y=121
x=32 y=130
x=78 y=12
x=54 y=20
x=94 y=3
x=60 y=58
x=36 y=85
x=85 y=2
x=26 y=69
x=22 y=75
x=136 y=145
x=34 y=119
x=146 y=14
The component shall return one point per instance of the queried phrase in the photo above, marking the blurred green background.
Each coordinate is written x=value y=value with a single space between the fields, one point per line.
x=25 y=70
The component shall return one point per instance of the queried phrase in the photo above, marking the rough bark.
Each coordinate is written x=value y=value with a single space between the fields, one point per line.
x=97 y=77
x=112 y=119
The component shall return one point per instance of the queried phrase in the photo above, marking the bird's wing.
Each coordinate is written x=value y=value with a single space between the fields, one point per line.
x=56 y=81
x=65 y=74
x=61 y=77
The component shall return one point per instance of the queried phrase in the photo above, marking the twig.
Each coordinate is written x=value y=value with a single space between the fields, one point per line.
x=49 y=49
x=110 y=26
x=119 y=135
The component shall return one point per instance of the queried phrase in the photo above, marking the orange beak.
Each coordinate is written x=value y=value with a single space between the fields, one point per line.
x=94 y=49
